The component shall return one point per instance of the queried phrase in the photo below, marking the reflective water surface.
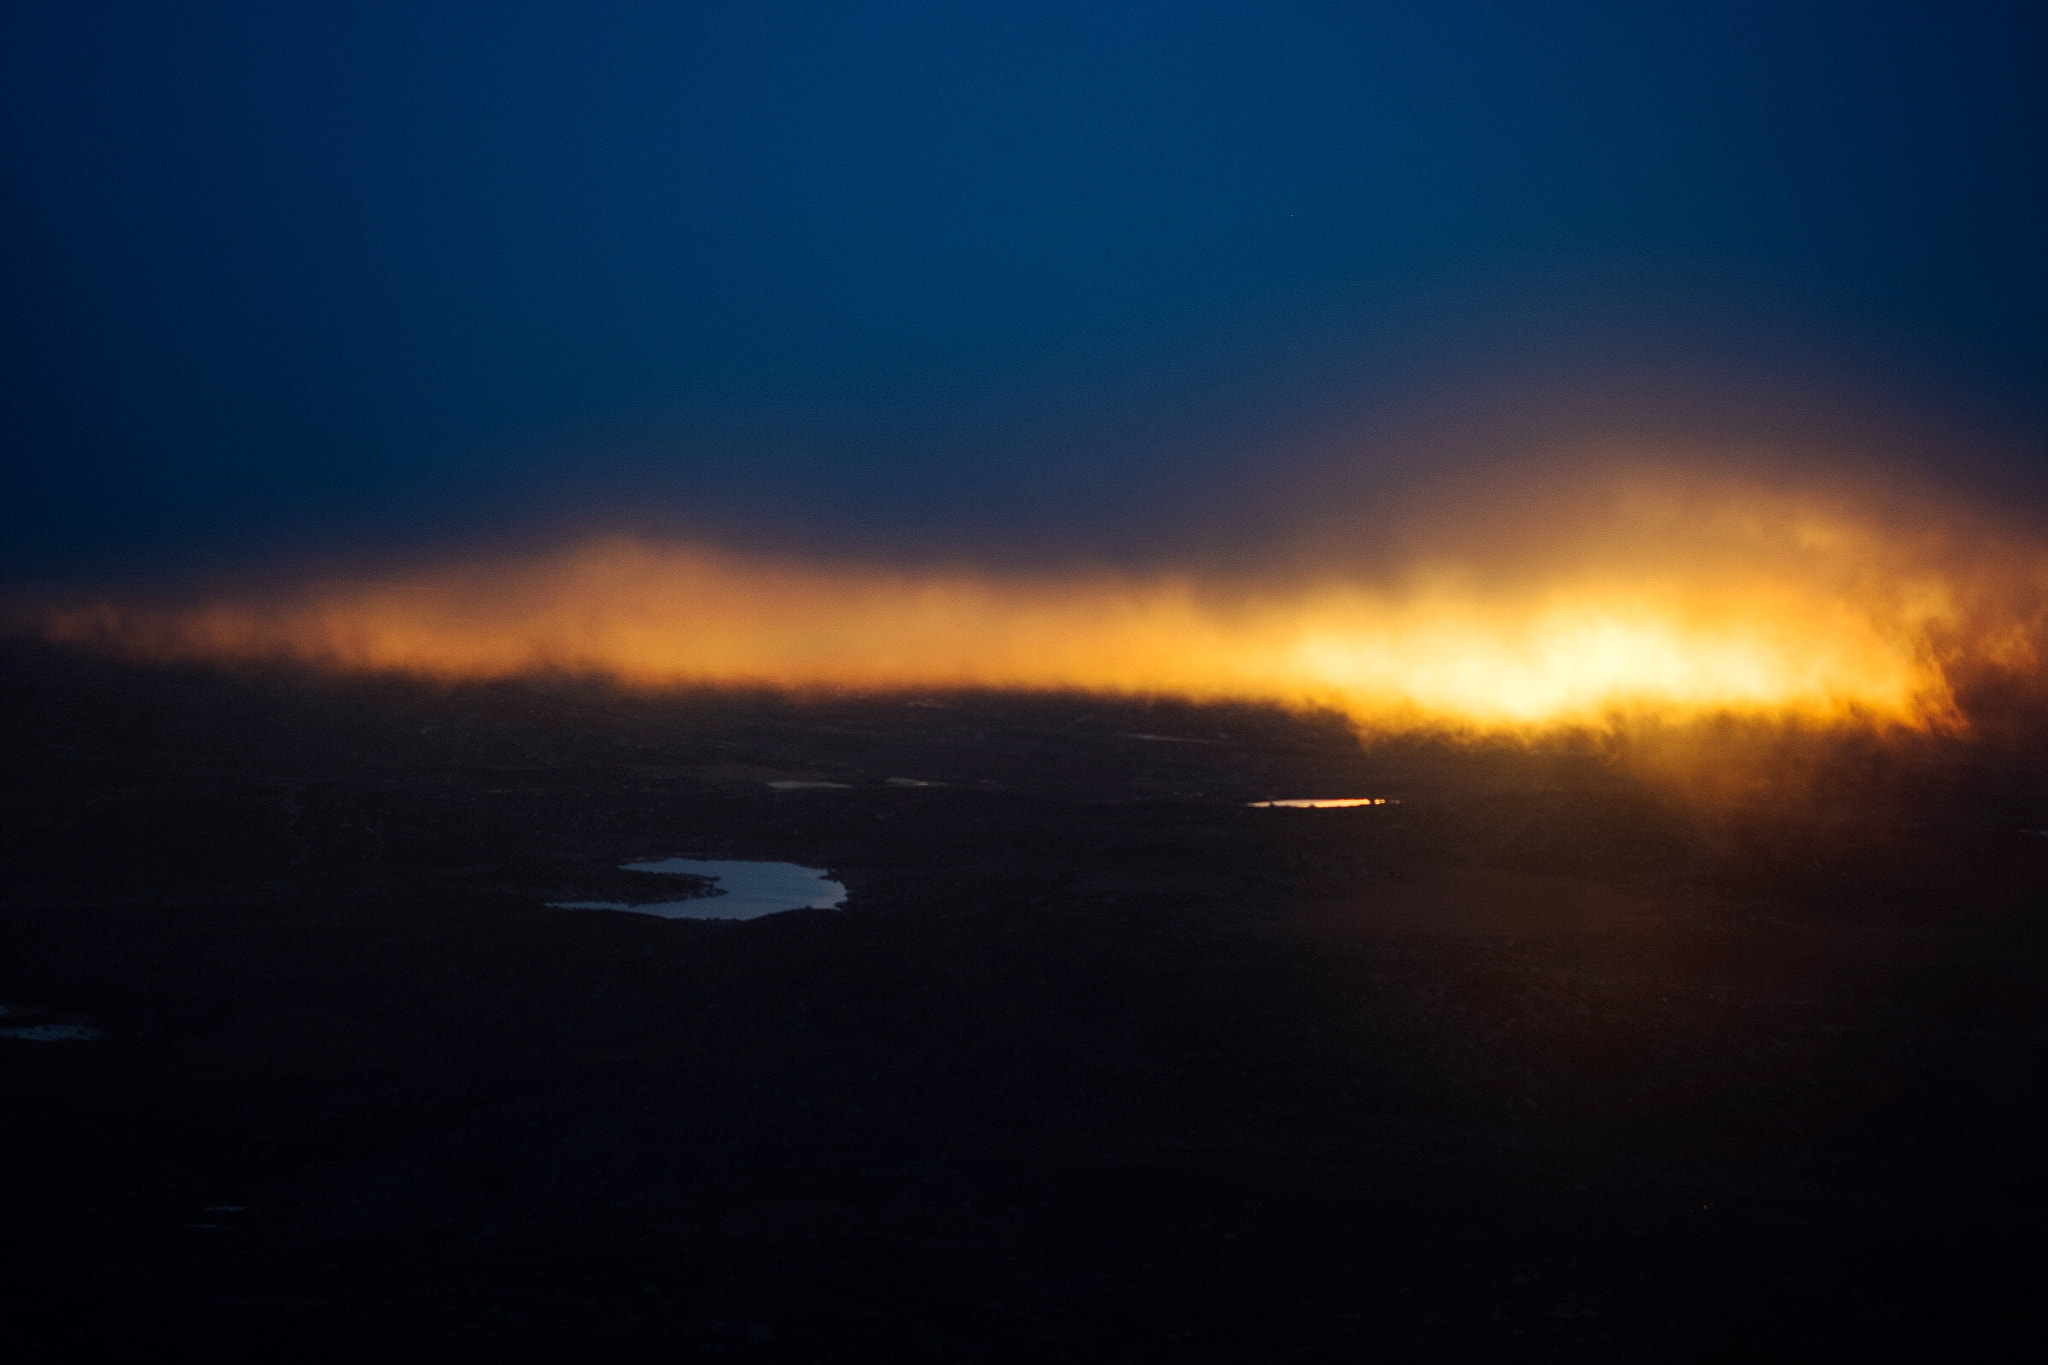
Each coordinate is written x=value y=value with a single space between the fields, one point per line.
x=51 y=1033
x=1326 y=803
x=741 y=890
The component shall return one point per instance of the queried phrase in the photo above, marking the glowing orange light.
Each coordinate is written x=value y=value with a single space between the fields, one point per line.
x=1752 y=604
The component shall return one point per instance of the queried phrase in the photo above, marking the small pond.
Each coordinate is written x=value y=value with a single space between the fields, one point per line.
x=741 y=890
x=51 y=1033
x=1325 y=803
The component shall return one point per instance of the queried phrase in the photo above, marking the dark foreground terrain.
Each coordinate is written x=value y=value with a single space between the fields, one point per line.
x=1097 y=1064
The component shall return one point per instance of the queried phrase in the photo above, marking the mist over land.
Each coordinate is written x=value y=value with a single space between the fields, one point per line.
x=1523 y=598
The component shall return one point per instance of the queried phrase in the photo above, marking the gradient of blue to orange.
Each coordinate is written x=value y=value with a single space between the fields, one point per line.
x=309 y=278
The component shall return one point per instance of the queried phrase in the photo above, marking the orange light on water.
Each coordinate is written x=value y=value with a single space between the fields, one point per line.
x=1753 y=605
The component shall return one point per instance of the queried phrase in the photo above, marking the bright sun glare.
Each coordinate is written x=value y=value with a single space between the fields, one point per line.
x=1674 y=606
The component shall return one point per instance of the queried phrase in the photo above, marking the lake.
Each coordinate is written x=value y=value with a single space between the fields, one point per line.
x=742 y=890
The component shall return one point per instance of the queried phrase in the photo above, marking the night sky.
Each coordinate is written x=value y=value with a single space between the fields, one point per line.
x=321 y=279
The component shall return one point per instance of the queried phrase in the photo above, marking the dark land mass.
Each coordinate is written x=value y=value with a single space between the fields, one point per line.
x=1553 y=1060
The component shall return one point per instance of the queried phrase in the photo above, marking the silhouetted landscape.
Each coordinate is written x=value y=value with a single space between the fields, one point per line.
x=1551 y=1057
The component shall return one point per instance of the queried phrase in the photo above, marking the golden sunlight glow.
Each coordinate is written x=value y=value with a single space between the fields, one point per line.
x=1674 y=606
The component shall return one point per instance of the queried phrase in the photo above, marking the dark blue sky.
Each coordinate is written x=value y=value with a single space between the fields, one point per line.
x=294 y=278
